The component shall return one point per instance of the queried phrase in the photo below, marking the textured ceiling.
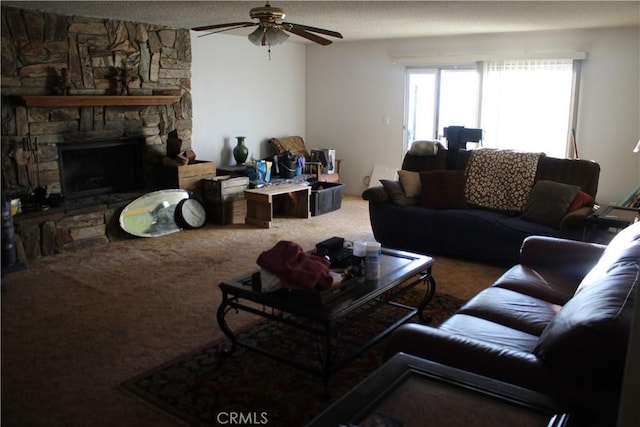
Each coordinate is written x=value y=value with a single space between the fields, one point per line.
x=368 y=20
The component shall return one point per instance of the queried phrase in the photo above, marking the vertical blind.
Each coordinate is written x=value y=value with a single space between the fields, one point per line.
x=526 y=105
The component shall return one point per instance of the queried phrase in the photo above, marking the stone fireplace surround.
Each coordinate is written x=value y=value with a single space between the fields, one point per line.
x=36 y=47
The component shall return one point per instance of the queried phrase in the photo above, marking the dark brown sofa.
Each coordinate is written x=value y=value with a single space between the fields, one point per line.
x=557 y=323
x=471 y=231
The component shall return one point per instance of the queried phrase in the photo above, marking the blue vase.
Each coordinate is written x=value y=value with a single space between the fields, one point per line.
x=240 y=151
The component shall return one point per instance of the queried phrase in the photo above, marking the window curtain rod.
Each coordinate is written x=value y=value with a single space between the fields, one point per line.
x=472 y=58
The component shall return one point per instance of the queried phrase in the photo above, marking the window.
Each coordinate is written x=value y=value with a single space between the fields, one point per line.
x=440 y=97
x=526 y=105
x=421 y=119
x=520 y=104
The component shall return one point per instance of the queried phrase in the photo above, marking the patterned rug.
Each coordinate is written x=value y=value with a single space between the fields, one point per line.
x=208 y=388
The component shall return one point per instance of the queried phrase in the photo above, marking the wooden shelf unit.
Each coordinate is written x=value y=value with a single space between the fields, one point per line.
x=96 y=100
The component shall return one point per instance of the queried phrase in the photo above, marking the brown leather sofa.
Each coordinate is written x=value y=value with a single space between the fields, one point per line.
x=557 y=323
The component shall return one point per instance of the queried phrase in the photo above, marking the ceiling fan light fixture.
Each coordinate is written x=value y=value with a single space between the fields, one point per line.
x=268 y=36
x=276 y=36
x=271 y=30
x=256 y=36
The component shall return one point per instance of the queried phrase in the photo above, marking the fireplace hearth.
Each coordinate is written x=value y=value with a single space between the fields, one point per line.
x=99 y=167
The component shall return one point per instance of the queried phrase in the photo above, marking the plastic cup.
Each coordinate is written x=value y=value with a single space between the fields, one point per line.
x=358 y=264
x=372 y=261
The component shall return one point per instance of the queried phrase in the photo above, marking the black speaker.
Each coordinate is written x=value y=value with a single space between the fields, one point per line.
x=457 y=138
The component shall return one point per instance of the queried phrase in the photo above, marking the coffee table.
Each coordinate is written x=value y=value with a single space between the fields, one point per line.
x=260 y=203
x=325 y=315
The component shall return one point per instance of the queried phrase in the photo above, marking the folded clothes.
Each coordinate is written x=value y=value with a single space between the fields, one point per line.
x=269 y=282
x=296 y=268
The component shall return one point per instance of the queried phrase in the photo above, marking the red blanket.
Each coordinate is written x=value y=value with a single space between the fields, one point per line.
x=296 y=268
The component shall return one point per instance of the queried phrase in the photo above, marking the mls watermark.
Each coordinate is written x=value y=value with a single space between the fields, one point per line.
x=233 y=418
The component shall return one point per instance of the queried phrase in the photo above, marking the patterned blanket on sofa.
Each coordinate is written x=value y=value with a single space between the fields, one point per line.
x=501 y=179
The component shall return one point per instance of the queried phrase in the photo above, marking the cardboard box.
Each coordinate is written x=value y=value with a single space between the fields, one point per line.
x=326 y=197
x=187 y=177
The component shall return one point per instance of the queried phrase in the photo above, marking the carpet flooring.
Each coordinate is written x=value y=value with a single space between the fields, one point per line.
x=203 y=387
x=76 y=325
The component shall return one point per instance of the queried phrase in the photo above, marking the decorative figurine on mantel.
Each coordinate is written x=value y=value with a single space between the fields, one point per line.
x=64 y=84
x=122 y=78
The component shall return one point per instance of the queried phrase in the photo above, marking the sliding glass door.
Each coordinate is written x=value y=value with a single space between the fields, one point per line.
x=440 y=97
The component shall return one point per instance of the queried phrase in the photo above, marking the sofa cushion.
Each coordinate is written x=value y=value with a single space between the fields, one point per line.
x=416 y=233
x=511 y=231
x=544 y=284
x=490 y=332
x=396 y=193
x=513 y=309
x=410 y=183
x=463 y=230
x=587 y=339
x=518 y=226
x=443 y=189
x=548 y=202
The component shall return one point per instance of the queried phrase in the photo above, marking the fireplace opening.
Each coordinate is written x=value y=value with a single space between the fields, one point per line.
x=99 y=167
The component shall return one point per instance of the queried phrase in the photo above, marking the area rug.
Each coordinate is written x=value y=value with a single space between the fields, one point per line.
x=206 y=387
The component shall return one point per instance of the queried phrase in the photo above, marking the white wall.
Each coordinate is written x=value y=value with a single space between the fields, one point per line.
x=609 y=114
x=238 y=91
x=352 y=86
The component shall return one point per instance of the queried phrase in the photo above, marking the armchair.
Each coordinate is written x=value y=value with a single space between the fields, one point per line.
x=295 y=145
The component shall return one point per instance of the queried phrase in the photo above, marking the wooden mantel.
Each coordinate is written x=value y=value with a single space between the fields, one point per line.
x=96 y=100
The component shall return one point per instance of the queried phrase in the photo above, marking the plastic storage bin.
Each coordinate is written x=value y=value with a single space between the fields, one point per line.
x=326 y=197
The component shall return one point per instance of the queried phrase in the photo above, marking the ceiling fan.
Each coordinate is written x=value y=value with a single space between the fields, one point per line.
x=271 y=29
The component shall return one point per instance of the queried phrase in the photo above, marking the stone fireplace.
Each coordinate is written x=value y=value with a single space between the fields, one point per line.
x=70 y=122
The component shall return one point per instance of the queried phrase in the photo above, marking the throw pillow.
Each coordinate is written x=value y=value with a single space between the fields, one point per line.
x=410 y=183
x=443 y=189
x=548 y=202
x=396 y=193
x=582 y=199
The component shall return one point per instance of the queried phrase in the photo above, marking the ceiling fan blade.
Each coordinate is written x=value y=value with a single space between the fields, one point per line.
x=315 y=29
x=228 y=25
x=309 y=36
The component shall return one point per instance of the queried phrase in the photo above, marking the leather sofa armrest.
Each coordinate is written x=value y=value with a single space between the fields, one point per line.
x=473 y=355
x=375 y=194
x=570 y=258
